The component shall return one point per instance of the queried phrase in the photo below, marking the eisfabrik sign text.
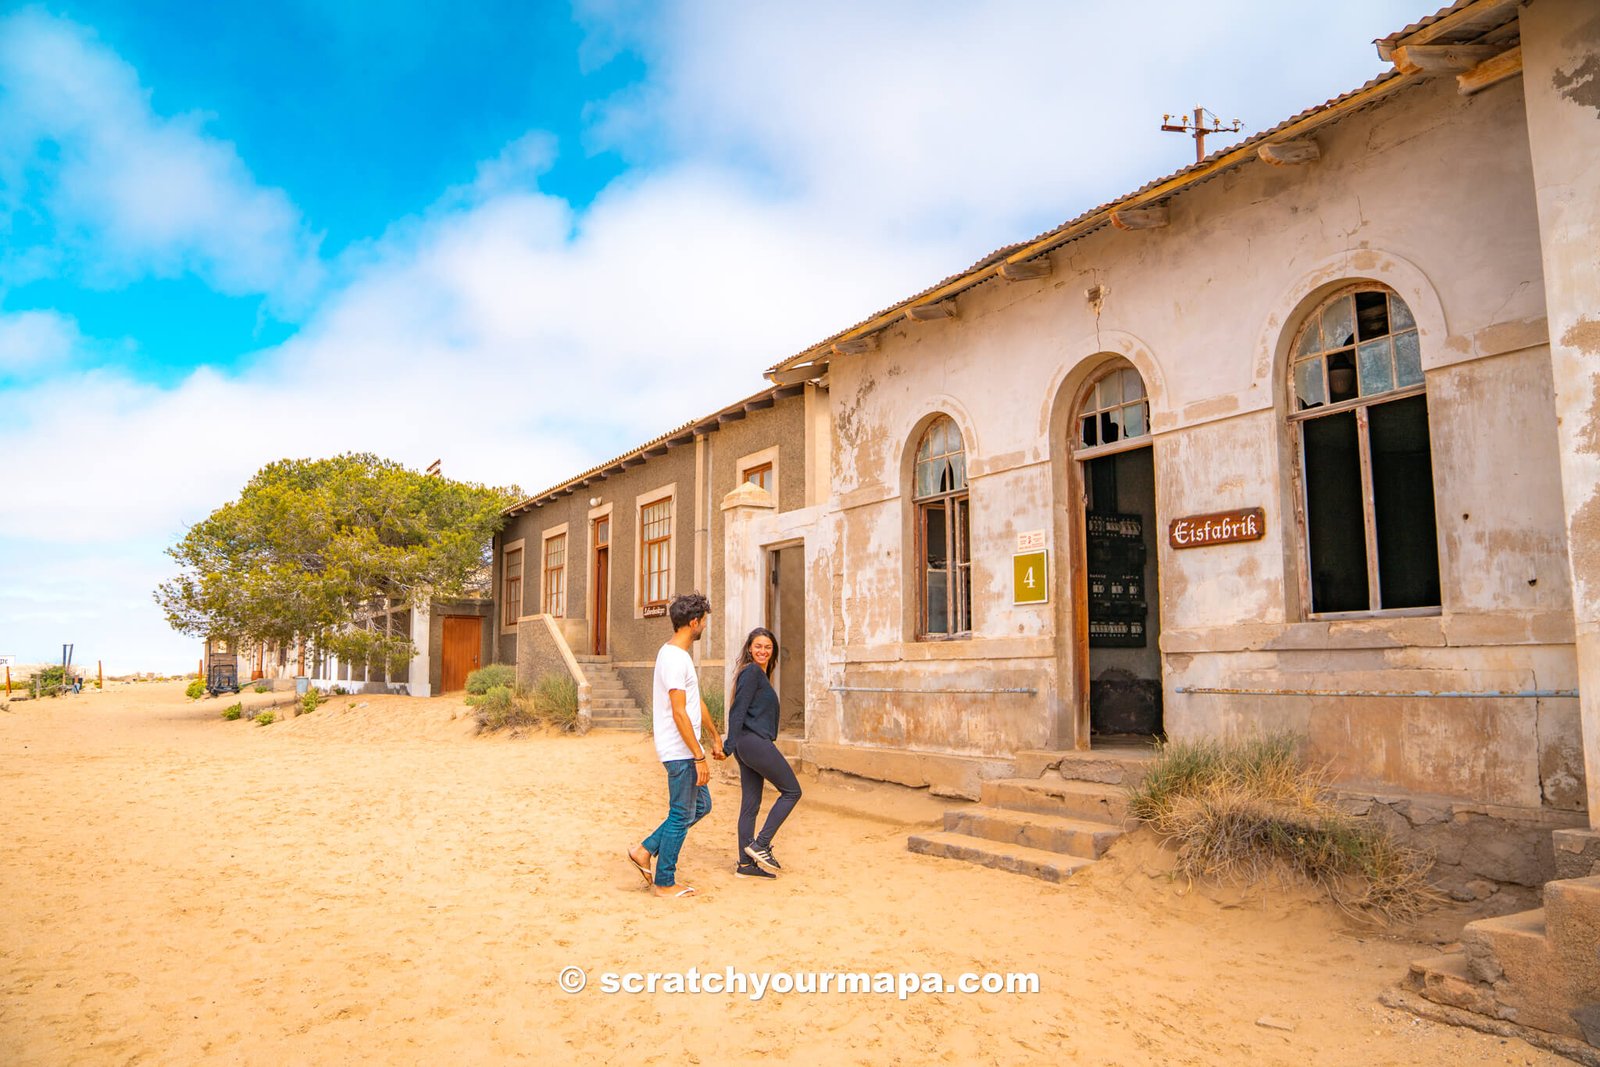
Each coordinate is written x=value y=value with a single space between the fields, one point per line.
x=1218 y=528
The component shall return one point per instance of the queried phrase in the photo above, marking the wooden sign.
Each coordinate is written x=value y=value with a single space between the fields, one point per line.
x=655 y=611
x=1218 y=528
x=1030 y=577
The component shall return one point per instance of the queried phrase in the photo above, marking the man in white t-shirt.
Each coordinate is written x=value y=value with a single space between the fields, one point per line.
x=678 y=715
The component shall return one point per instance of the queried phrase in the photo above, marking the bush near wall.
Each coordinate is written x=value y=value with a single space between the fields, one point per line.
x=480 y=681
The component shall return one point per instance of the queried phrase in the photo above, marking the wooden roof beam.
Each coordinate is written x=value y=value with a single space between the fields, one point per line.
x=1027 y=270
x=1471 y=20
x=1507 y=64
x=1144 y=217
x=1290 y=153
x=730 y=416
x=857 y=346
x=761 y=404
x=1441 y=58
x=939 y=309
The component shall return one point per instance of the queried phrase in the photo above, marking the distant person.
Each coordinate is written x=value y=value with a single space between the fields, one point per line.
x=77 y=684
x=752 y=737
x=678 y=715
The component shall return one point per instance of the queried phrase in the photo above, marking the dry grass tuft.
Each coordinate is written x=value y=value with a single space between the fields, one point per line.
x=1244 y=811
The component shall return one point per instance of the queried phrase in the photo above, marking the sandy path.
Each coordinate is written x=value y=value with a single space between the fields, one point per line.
x=374 y=885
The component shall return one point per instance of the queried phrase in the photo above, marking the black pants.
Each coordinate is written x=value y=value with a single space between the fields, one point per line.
x=760 y=762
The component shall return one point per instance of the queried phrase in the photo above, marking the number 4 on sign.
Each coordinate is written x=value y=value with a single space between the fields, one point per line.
x=1030 y=577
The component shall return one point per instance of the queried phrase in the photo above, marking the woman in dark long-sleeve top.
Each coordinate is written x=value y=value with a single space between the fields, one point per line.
x=752 y=733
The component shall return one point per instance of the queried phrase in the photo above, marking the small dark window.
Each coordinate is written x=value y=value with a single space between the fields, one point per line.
x=943 y=522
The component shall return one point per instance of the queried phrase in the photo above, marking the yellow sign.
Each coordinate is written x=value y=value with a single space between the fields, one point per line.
x=1030 y=577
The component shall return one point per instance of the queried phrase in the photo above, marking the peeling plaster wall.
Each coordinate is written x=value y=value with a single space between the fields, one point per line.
x=1429 y=193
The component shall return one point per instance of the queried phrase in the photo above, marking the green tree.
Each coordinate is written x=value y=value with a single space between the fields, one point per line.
x=312 y=549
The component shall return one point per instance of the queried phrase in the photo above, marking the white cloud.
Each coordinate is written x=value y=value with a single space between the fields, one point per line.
x=130 y=192
x=519 y=340
x=36 y=341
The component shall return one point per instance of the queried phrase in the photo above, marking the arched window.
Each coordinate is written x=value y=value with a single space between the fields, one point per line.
x=943 y=521
x=1116 y=409
x=1361 y=417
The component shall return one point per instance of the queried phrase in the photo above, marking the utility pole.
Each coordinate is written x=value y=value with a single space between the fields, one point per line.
x=1198 y=129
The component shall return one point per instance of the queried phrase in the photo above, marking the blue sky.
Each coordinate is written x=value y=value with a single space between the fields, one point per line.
x=233 y=233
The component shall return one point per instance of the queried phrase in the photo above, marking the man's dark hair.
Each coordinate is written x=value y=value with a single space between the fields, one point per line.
x=687 y=607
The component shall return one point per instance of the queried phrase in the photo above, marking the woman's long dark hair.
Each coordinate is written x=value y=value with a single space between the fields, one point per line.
x=744 y=653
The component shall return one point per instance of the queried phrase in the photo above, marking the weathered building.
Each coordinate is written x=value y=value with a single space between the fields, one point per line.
x=1301 y=437
x=584 y=570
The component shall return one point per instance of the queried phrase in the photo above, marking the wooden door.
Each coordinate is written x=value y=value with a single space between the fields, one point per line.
x=602 y=584
x=463 y=650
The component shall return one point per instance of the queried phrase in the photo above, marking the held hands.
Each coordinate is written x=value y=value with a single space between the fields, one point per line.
x=716 y=748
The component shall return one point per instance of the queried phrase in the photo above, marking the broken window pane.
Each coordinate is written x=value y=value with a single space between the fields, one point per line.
x=1341 y=376
x=1133 y=420
x=1110 y=427
x=1372 y=315
x=1335 y=527
x=1338 y=324
x=1091 y=432
x=1402 y=501
x=1377 y=369
x=1407 y=358
x=1310 y=341
x=1308 y=388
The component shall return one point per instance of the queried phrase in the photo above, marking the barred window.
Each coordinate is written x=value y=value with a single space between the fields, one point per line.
x=655 y=538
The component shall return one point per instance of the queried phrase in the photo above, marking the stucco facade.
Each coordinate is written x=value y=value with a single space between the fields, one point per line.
x=692 y=468
x=1413 y=191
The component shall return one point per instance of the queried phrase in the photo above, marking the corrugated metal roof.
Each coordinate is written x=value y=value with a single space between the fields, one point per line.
x=1097 y=218
x=704 y=424
x=1490 y=16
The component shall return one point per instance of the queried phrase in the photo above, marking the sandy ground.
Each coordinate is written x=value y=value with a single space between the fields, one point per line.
x=373 y=884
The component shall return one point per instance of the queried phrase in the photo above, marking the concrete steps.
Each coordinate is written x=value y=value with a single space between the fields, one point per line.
x=1019 y=859
x=1048 y=824
x=611 y=706
x=1538 y=969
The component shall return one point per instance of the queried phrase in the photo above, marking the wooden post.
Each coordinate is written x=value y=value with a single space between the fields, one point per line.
x=8 y=682
x=100 y=674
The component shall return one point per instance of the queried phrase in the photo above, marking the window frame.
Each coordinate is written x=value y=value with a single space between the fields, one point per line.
x=956 y=504
x=753 y=462
x=553 y=583
x=1361 y=406
x=668 y=495
x=508 y=617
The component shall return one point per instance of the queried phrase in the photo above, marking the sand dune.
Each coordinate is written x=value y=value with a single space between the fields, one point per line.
x=374 y=884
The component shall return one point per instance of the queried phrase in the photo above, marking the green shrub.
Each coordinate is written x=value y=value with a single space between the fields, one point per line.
x=232 y=711
x=47 y=683
x=338 y=691
x=484 y=679
x=312 y=698
x=1240 y=811
x=500 y=707
x=555 y=700
x=266 y=718
x=263 y=688
x=196 y=689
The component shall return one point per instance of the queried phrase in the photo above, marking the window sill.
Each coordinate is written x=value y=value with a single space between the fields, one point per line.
x=1358 y=616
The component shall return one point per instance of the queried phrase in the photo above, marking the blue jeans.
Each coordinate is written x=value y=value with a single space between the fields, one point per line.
x=688 y=804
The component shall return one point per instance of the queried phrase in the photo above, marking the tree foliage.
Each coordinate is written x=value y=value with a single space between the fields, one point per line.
x=312 y=549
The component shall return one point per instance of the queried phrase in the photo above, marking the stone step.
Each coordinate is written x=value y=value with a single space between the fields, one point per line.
x=592 y=659
x=1049 y=833
x=1117 y=766
x=619 y=703
x=1047 y=796
x=1018 y=859
x=1572 y=916
x=1447 y=980
x=1507 y=947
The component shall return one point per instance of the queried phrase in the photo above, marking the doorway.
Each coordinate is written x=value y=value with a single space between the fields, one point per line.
x=1118 y=638
x=786 y=618
x=462 y=651
x=600 y=628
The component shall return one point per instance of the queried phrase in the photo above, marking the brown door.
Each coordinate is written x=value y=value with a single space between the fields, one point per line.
x=463 y=645
x=602 y=584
